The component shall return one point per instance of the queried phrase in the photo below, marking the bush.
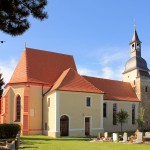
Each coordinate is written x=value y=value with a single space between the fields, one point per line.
x=9 y=130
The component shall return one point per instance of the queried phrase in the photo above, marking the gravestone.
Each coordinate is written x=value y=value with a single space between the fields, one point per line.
x=115 y=137
x=106 y=135
x=125 y=137
x=139 y=137
x=147 y=134
x=12 y=146
x=99 y=136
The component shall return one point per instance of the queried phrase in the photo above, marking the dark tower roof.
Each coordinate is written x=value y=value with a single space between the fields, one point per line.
x=135 y=37
x=136 y=61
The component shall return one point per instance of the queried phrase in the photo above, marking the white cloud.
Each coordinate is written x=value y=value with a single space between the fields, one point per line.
x=7 y=68
x=104 y=72
x=111 y=58
x=88 y=72
x=111 y=73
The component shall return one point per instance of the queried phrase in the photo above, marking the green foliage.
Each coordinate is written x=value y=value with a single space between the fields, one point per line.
x=140 y=121
x=14 y=14
x=122 y=117
x=1 y=85
x=9 y=130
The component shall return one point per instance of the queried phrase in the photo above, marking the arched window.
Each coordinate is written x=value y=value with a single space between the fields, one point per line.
x=18 y=108
x=104 y=110
x=146 y=88
x=133 y=113
x=114 y=114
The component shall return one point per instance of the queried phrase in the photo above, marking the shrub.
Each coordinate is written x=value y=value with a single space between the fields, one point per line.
x=9 y=130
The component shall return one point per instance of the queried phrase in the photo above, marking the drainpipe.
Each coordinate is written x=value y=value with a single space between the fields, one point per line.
x=43 y=94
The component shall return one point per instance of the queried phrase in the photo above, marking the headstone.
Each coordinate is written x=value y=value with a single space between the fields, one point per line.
x=140 y=137
x=12 y=146
x=99 y=136
x=106 y=135
x=125 y=137
x=147 y=134
x=115 y=137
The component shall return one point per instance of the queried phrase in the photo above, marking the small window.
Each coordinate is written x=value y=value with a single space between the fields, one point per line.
x=146 y=88
x=138 y=46
x=49 y=102
x=134 y=82
x=88 y=101
x=132 y=45
x=104 y=110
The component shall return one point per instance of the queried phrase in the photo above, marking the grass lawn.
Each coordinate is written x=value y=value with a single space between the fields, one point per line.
x=46 y=143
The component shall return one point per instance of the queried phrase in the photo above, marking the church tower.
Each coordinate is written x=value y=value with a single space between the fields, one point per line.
x=137 y=73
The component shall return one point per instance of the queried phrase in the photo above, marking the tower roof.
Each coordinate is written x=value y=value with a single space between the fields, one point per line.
x=136 y=63
x=135 y=37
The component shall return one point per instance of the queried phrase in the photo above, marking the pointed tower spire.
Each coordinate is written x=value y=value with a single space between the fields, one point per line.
x=136 y=62
x=135 y=37
x=135 y=44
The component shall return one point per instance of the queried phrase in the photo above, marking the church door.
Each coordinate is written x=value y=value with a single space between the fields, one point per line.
x=64 y=126
x=87 y=126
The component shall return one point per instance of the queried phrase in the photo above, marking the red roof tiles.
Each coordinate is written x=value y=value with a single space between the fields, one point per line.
x=114 y=90
x=39 y=66
x=59 y=71
x=70 y=80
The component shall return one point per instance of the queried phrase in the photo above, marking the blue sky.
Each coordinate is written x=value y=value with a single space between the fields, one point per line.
x=96 y=32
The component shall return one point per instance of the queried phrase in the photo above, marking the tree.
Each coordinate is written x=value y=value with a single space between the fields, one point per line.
x=140 y=121
x=14 y=14
x=122 y=117
x=1 y=84
x=1 y=89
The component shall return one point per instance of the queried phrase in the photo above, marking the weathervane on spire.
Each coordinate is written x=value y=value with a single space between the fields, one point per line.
x=134 y=24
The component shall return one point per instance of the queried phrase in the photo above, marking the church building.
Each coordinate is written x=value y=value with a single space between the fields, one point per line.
x=46 y=95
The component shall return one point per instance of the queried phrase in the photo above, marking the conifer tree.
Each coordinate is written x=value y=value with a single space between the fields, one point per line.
x=1 y=89
x=1 y=85
x=14 y=14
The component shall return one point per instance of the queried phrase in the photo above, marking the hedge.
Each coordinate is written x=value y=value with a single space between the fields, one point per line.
x=9 y=130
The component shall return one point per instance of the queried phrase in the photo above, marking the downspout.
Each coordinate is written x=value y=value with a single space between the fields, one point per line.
x=43 y=94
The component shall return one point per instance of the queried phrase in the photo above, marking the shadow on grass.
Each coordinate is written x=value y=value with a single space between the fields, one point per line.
x=29 y=147
x=52 y=139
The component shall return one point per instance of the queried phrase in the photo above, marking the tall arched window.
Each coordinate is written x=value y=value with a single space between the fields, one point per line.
x=114 y=114
x=18 y=108
x=133 y=113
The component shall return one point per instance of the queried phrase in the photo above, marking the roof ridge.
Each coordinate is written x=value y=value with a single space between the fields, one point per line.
x=34 y=49
x=59 y=78
x=65 y=72
x=26 y=63
x=104 y=79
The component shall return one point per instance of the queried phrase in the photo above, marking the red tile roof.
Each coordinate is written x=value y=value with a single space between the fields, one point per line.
x=39 y=66
x=114 y=90
x=70 y=80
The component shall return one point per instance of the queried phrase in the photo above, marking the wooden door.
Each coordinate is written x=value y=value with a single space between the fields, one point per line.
x=87 y=126
x=64 y=126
